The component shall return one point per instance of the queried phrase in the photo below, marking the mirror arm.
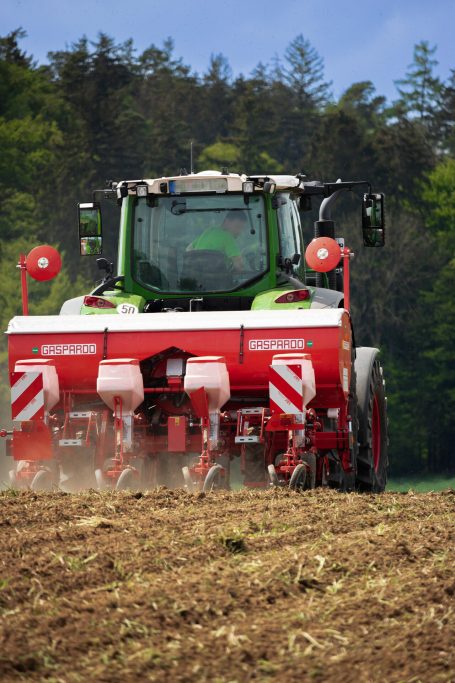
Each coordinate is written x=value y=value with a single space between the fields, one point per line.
x=330 y=188
x=107 y=192
x=334 y=190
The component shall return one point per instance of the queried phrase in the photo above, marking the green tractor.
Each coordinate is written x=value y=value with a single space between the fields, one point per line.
x=172 y=254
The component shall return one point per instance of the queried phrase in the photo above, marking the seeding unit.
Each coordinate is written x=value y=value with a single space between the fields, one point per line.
x=213 y=341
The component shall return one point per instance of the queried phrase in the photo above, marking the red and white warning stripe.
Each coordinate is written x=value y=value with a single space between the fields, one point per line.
x=27 y=396
x=286 y=389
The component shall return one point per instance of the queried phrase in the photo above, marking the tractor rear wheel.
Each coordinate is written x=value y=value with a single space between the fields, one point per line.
x=372 y=458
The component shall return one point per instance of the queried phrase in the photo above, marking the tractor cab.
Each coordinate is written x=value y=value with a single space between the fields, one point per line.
x=212 y=241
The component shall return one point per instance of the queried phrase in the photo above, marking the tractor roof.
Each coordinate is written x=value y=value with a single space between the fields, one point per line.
x=215 y=182
x=210 y=181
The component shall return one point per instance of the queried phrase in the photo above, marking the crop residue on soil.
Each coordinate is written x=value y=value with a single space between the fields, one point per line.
x=273 y=585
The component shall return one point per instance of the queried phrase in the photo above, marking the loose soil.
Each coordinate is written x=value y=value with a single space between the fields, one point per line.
x=242 y=586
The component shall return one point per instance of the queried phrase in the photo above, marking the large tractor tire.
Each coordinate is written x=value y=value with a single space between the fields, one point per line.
x=372 y=456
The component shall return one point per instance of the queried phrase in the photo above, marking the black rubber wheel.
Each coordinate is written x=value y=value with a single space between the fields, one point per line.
x=274 y=481
x=213 y=479
x=310 y=460
x=189 y=486
x=43 y=481
x=372 y=458
x=126 y=480
x=298 y=479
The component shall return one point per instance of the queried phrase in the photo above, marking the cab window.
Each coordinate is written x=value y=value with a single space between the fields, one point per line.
x=289 y=231
x=179 y=242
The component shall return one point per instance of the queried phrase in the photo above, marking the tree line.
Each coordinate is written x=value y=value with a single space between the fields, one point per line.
x=99 y=111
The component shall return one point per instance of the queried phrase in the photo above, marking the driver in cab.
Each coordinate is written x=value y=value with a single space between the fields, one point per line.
x=223 y=238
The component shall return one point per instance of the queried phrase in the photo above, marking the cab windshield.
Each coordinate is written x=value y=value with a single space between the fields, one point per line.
x=199 y=243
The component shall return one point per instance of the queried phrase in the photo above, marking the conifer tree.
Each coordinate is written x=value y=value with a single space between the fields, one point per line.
x=420 y=90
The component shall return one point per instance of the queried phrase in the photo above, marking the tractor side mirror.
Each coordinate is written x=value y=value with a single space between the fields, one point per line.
x=90 y=229
x=373 y=226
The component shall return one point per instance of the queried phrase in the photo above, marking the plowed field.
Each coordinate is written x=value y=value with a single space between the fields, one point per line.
x=243 y=586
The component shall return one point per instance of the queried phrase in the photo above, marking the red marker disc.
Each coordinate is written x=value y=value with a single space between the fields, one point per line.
x=323 y=254
x=43 y=263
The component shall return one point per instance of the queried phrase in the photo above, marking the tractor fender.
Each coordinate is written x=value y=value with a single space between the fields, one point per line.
x=363 y=364
x=72 y=306
x=326 y=298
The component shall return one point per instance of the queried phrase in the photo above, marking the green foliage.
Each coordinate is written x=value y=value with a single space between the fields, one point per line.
x=445 y=117
x=220 y=154
x=98 y=111
x=360 y=101
x=26 y=150
x=404 y=155
x=439 y=195
x=438 y=363
x=17 y=217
